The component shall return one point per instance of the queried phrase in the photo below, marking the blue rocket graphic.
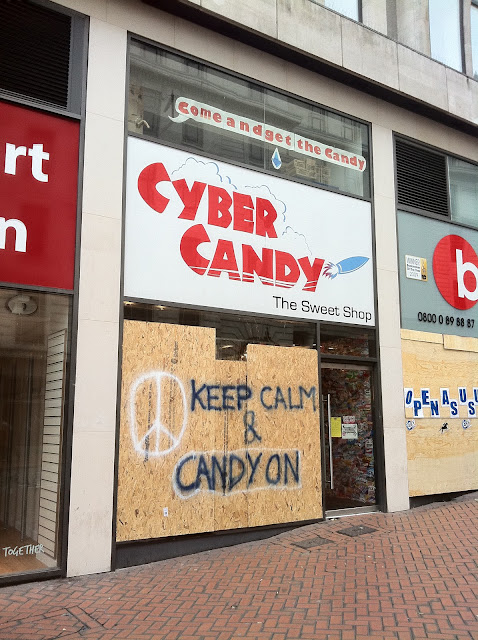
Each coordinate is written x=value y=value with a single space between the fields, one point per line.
x=347 y=265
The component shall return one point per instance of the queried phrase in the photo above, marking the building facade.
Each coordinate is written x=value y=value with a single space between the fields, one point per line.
x=239 y=272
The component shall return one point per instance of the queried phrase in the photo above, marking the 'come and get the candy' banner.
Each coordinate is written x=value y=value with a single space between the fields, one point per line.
x=206 y=114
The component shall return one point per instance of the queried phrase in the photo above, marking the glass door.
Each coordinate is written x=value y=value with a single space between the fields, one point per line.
x=349 y=450
x=33 y=365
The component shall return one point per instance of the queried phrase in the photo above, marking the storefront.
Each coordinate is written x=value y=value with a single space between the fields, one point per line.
x=38 y=204
x=249 y=349
x=439 y=291
x=271 y=316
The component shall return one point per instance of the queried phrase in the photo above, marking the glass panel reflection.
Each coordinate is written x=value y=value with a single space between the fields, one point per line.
x=474 y=39
x=233 y=332
x=337 y=341
x=34 y=354
x=347 y=8
x=190 y=105
x=463 y=179
x=445 y=35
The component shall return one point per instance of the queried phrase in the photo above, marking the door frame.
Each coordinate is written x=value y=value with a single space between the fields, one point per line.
x=339 y=361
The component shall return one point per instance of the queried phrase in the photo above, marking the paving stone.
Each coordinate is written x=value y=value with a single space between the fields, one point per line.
x=415 y=577
x=316 y=541
x=359 y=530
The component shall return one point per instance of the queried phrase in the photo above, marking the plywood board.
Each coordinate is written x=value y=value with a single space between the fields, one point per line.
x=460 y=343
x=230 y=504
x=421 y=336
x=285 y=403
x=442 y=450
x=198 y=441
x=166 y=358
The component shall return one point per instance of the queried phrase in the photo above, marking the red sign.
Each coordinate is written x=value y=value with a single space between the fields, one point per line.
x=38 y=197
x=455 y=267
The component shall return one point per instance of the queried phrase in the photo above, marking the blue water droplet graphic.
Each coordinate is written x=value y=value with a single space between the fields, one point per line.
x=276 y=159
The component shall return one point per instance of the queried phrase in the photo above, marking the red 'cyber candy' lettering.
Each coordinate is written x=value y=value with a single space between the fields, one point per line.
x=190 y=241
x=189 y=197
x=311 y=272
x=243 y=213
x=219 y=204
x=287 y=270
x=224 y=260
x=266 y=215
x=147 y=181
x=251 y=263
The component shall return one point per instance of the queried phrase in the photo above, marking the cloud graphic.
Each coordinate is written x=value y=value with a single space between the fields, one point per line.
x=297 y=240
x=210 y=172
x=204 y=171
x=263 y=191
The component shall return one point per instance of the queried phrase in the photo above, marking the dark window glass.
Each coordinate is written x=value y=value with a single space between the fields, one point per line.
x=421 y=179
x=338 y=341
x=292 y=131
x=233 y=332
x=315 y=123
x=432 y=182
x=34 y=51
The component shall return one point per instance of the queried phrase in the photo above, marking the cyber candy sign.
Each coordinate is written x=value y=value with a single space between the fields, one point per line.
x=206 y=233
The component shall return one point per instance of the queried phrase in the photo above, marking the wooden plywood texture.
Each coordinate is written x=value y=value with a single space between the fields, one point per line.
x=230 y=504
x=421 y=336
x=460 y=343
x=160 y=357
x=201 y=448
x=442 y=449
x=287 y=421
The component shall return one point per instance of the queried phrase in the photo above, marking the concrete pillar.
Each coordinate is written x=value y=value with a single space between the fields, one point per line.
x=374 y=14
x=94 y=425
x=413 y=26
x=395 y=445
x=468 y=58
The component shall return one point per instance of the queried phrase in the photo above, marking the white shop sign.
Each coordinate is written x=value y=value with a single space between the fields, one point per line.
x=209 y=234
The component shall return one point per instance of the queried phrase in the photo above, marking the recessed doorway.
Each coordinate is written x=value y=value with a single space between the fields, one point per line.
x=33 y=365
x=347 y=394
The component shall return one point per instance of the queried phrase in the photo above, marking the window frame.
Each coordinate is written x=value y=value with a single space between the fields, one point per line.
x=76 y=91
x=344 y=15
x=461 y=43
x=134 y=38
x=76 y=111
x=435 y=216
x=474 y=5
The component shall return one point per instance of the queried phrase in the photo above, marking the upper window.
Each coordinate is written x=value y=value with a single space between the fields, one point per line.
x=421 y=179
x=190 y=105
x=349 y=8
x=41 y=50
x=431 y=182
x=445 y=32
x=463 y=180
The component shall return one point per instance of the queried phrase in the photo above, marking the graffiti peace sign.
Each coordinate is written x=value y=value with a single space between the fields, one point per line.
x=160 y=434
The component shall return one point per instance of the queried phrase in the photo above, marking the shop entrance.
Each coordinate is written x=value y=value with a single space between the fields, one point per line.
x=347 y=393
x=33 y=361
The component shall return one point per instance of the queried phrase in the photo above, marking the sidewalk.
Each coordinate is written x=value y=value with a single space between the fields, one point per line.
x=415 y=576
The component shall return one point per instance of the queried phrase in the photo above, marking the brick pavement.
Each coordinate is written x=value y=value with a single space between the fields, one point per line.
x=415 y=577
